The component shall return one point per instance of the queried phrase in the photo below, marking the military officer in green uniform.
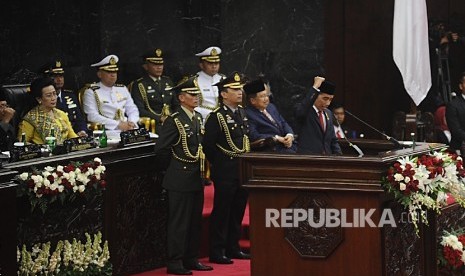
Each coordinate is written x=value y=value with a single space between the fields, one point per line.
x=224 y=141
x=182 y=134
x=152 y=93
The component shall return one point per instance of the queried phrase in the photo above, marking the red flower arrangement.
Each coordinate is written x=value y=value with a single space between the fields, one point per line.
x=61 y=183
x=426 y=183
x=451 y=255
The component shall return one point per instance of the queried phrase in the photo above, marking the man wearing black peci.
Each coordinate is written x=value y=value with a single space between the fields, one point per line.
x=317 y=134
x=182 y=134
x=224 y=141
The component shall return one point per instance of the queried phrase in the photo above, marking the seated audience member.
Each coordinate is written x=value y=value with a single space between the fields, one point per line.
x=267 y=127
x=338 y=119
x=109 y=103
x=455 y=116
x=151 y=93
x=7 y=131
x=317 y=134
x=67 y=100
x=41 y=119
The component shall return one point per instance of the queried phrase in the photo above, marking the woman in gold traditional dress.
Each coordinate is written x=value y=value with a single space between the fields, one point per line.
x=41 y=119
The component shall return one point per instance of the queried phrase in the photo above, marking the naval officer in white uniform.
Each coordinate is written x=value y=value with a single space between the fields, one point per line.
x=208 y=76
x=109 y=103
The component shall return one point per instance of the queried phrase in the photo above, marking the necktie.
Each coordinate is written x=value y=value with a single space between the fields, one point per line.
x=268 y=115
x=237 y=117
x=338 y=133
x=322 y=120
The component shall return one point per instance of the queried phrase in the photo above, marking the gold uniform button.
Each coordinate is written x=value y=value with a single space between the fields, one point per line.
x=185 y=167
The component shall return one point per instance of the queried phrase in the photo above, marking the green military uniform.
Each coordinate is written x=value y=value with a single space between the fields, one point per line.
x=153 y=95
x=152 y=98
x=182 y=134
x=224 y=141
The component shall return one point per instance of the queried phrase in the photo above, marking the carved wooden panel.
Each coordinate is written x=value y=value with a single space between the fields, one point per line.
x=402 y=248
x=310 y=241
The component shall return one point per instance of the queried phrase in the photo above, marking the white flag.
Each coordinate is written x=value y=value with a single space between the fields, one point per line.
x=410 y=47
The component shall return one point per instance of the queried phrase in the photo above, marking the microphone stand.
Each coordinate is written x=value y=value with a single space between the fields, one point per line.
x=389 y=138
x=355 y=147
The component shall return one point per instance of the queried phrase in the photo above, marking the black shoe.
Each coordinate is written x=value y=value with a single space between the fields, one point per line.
x=198 y=266
x=239 y=255
x=221 y=260
x=179 y=271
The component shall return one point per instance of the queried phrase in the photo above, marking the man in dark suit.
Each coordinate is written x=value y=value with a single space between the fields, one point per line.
x=182 y=134
x=67 y=100
x=267 y=128
x=455 y=116
x=7 y=131
x=317 y=134
x=224 y=141
x=152 y=93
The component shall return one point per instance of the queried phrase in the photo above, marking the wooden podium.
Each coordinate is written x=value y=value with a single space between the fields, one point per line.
x=277 y=182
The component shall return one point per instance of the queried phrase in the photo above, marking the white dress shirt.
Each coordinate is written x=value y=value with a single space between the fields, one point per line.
x=340 y=130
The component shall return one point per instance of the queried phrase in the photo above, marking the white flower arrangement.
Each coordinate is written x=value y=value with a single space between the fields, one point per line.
x=68 y=258
x=62 y=182
x=426 y=183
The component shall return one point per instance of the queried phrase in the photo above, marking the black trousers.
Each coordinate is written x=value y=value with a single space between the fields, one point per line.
x=184 y=227
x=229 y=205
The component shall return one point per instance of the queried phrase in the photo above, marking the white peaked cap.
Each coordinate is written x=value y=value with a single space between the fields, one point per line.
x=108 y=63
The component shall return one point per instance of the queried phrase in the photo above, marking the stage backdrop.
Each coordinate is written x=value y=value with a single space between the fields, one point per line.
x=289 y=41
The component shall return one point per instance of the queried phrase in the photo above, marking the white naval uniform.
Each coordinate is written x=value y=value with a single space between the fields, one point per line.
x=210 y=99
x=111 y=99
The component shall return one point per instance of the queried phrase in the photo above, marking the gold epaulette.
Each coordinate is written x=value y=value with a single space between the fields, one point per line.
x=94 y=87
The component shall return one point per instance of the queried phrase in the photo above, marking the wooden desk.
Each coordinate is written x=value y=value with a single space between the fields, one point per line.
x=341 y=182
x=131 y=214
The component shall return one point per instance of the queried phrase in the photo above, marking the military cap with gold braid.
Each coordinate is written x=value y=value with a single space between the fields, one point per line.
x=109 y=64
x=234 y=81
x=211 y=54
x=188 y=85
x=55 y=69
x=155 y=57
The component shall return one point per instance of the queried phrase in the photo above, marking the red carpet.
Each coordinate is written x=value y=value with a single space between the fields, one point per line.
x=239 y=268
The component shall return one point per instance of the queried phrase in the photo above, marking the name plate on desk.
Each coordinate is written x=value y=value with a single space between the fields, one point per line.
x=134 y=136
x=78 y=143
x=19 y=153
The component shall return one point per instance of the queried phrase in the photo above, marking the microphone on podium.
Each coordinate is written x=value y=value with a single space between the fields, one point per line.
x=389 y=138
x=355 y=147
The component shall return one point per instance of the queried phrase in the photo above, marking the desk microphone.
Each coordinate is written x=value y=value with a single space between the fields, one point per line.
x=389 y=138
x=355 y=147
